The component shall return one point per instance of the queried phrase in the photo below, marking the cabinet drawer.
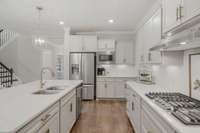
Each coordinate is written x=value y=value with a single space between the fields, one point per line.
x=156 y=119
x=67 y=97
x=41 y=120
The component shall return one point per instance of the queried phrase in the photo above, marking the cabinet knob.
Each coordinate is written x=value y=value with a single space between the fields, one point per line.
x=45 y=118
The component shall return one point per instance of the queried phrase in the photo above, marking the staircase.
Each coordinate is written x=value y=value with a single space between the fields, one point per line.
x=6 y=76
x=6 y=36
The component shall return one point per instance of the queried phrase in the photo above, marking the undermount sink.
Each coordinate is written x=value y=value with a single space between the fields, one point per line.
x=50 y=90
x=54 y=88
x=45 y=92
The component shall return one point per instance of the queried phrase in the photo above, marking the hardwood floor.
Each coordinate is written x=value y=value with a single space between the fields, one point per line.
x=103 y=117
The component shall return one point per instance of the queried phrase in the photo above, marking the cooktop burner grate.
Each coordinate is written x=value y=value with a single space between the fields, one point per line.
x=184 y=108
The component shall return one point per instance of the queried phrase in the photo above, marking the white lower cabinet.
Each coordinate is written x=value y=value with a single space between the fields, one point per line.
x=111 y=87
x=68 y=112
x=143 y=118
x=59 y=118
x=133 y=109
x=151 y=122
x=148 y=124
x=52 y=126
x=47 y=122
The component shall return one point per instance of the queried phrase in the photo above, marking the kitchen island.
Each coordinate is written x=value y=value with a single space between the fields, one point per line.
x=24 y=112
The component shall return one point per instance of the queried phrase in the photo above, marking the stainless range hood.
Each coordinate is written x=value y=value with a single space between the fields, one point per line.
x=184 y=37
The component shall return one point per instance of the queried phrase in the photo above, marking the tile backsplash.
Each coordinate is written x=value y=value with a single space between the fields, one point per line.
x=121 y=70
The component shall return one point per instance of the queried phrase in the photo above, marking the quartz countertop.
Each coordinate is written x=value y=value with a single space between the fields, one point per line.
x=19 y=106
x=117 y=76
x=142 y=89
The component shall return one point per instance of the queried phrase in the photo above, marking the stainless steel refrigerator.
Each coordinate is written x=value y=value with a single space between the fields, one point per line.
x=83 y=67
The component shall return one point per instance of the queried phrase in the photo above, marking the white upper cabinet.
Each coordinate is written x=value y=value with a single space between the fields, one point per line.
x=75 y=43
x=124 y=52
x=139 y=46
x=90 y=43
x=80 y=43
x=148 y=36
x=171 y=14
x=106 y=45
x=156 y=32
x=191 y=8
x=177 y=12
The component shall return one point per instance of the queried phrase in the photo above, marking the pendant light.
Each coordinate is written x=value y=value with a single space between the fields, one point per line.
x=39 y=40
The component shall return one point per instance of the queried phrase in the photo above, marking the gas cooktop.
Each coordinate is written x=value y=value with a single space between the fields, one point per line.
x=184 y=108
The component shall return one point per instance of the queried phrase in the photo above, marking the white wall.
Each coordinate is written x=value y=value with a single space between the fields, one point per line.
x=23 y=57
x=9 y=55
x=121 y=70
x=29 y=59
x=170 y=77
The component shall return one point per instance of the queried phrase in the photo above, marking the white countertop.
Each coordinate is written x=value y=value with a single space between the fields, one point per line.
x=117 y=76
x=142 y=89
x=18 y=105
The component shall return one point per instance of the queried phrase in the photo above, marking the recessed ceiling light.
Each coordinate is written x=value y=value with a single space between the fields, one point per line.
x=183 y=43
x=61 y=23
x=111 y=21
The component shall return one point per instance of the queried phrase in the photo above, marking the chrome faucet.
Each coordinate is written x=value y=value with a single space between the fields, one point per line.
x=42 y=83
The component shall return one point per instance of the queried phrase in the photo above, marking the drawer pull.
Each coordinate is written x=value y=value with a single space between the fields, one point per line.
x=105 y=85
x=177 y=13
x=125 y=85
x=71 y=107
x=133 y=106
x=46 y=117
x=47 y=131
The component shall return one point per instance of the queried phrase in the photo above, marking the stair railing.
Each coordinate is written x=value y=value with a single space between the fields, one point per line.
x=6 y=76
x=5 y=36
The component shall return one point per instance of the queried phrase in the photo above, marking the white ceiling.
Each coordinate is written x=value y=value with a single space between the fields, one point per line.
x=80 y=15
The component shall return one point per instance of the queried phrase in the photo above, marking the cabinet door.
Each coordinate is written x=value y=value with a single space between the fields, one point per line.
x=110 y=89
x=90 y=43
x=101 y=89
x=191 y=8
x=148 y=125
x=129 y=53
x=139 y=46
x=156 y=28
x=135 y=106
x=52 y=126
x=106 y=44
x=155 y=56
x=170 y=13
x=120 y=53
x=65 y=118
x=147 y=43
x=102 y=45
x=120 y=89
x=68 y=115
x=76 y=43
x=110 y=44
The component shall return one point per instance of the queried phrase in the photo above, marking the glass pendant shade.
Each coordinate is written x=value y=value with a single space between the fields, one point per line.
x=38 y=39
